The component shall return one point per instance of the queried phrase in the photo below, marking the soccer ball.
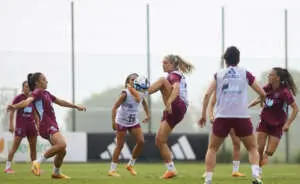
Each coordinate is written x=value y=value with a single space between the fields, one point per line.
x=141 y=83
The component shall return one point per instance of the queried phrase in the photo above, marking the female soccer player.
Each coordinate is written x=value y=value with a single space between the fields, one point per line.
x=174 y=94
x=231 y=86
x=124 y=118
x=48 y=128
x=26 y=126
x=274 y=115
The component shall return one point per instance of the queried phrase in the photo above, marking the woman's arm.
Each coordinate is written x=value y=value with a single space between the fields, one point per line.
x=64 y=103
x=173 y=96
x=36 y=119
x=292 y=117
x=211 y=107
x=120 y=100
x=260 y=91
x=22 y=104
x=11 y=121
x=146 y=109
x=210 y=90
x=255 y=102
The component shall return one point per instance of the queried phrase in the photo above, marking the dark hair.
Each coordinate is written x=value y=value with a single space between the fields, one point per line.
x=23 y=83
x=32 y=78
x=181 y=64
x=128 y=78
x=286 y=79
x=232 y=56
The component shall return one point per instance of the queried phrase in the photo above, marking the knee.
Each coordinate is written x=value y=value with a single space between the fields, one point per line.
x=63 y=152
x=252 y=149
x=213 y=148
x=62 y=146
x=159 y=142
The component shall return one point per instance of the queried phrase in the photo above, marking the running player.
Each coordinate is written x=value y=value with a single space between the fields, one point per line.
x=48 y=128
x=274 y=115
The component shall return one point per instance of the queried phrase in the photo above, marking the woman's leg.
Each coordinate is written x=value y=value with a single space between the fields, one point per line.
x=32 y=145
x=59 y=141
x=16 y=144
x=210 y=158
x=139 y=137
x=120 y=136
x=58 y=149
x=272 y=145
x=236 y=155
x=251 y=145
x=261 y=142
x=161 y=142
x=164 y=86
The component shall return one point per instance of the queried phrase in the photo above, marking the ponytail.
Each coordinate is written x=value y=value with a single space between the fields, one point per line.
x=287 y=79
x=181 y=64
x=32 y=78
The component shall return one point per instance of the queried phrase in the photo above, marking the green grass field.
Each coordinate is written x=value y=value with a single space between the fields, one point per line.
x=189 y=173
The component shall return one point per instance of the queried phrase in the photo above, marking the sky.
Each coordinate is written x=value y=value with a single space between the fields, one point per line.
x=110 y=40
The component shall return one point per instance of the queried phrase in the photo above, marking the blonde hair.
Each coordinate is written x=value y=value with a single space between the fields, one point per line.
x=181 y=64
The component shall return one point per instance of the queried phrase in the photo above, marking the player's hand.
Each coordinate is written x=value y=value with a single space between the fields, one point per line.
x=114 y=126
x=202 y=122
x=168 y=108
x=37 y=127
x=11 y=129
x=146 y=120
x=10 y=108
x=212 y=119
x=81 y=108
x=285 y=127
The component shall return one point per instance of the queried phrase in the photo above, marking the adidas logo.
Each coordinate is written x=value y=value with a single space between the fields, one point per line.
x=183 y=150
x=107 y=155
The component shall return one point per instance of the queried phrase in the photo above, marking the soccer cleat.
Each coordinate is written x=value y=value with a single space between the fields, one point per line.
x=131 y=170
x=257 y=181
x=59 y=176
x=168 y=174
x=238 y=174
x=207 y=182
x=204 y=175
x=9 y=171
x=113 y=174
x=35 y=168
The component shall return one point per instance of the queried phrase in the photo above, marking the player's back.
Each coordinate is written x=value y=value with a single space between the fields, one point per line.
x=232 y=93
